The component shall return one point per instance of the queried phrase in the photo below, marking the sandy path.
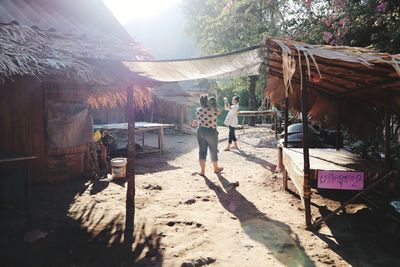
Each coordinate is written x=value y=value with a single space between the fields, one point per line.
x=200 y=221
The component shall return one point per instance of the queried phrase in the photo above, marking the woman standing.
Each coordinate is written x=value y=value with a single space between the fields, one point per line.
x=232 y=121
x=207 y=135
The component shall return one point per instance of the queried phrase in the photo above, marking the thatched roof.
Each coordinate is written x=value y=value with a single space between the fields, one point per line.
x=70 y=42
x=29 y=51
x=358 y=78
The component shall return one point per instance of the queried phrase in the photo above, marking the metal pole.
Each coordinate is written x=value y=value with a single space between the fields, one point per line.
x=304 y=113
x=130 y=194
x=387 y=133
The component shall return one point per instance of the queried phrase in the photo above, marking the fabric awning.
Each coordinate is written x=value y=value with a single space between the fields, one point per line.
x=240 y=63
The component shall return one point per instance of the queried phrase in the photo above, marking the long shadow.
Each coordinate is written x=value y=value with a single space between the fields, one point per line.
x=365 y=238
x=266 y=164
x=154 y=162
x=84 y=236
x=276 y=236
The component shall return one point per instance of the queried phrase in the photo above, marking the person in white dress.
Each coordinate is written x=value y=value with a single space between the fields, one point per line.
x=232 y=121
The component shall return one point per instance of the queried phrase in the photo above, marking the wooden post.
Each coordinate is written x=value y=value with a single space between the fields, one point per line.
x=304 y=113
x=182 y=117
x=285 y=174
x=286 y=119
x=130 y=194
x=387 y=133
x=162 y=139
x=28 y=193
x=338 y=125
x=152 y=112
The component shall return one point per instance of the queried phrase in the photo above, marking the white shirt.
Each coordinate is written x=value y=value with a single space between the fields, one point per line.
x=232 y=119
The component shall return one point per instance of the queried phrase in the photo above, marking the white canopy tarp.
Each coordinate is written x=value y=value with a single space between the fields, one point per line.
x=240 y=63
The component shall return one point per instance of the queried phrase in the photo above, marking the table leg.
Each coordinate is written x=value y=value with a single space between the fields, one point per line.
x=285 y=179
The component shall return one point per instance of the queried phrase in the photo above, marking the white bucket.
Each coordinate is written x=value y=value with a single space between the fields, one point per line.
x=118 y=168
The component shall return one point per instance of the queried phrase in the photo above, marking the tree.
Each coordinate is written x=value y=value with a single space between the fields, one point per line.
x=225 y=25
x=364 y=23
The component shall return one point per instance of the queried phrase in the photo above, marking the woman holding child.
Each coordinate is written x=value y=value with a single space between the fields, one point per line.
x=207 y=135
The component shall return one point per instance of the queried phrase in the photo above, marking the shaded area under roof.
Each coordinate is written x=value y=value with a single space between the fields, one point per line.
x=240 y=63
x=173 y=92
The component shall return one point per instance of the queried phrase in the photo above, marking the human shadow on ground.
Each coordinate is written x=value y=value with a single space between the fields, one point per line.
x=276 y=236
x=365 y=238
x=91 y=237
x=264 y=163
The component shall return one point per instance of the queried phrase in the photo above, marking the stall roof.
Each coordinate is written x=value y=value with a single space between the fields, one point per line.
x=244 y=62
x=355 y=80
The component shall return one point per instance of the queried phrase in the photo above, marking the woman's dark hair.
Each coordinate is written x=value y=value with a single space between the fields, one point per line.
x=212 y=102
x=236 y=98
x=203 y=101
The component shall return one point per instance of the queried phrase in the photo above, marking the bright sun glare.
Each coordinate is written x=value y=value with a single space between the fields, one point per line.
x=125 y=10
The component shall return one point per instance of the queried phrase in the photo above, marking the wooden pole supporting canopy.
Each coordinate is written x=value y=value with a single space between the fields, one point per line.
x=387 y=132
x=130 y=193
x=304 y=114
x=285 y=144
x=286 y=120
x=339 y=124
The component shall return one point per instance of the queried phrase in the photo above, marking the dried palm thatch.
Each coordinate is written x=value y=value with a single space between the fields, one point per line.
x=353 y=80
x=71 y=59
x=142 y=98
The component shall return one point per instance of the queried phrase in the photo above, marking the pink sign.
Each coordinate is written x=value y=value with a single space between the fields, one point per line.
x=345 y=180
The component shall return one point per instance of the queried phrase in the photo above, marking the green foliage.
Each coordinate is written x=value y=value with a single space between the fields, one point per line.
x=374 y=23
x=225 y=25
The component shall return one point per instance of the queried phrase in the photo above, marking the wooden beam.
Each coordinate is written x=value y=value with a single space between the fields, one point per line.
x=369 y=88
x=304 y=114
x=130 y=193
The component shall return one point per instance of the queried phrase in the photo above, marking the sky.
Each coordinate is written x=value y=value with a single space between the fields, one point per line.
x=126 y=10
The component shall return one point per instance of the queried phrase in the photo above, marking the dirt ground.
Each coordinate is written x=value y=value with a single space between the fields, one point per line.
x=188 y=220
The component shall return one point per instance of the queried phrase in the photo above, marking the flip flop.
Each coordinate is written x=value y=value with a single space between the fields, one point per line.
x=219 y=170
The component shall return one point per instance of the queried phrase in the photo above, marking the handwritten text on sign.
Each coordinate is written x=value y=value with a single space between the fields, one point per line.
x=341 y=180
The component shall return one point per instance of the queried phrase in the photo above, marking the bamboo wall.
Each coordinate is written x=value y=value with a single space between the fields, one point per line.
x=65 y=163
x=22 y=122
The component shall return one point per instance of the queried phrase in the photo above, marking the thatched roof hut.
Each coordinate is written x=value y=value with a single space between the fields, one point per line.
x=353 y=81
x=58 y=59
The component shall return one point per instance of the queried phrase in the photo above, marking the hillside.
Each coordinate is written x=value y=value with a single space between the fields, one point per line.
x=166 y=29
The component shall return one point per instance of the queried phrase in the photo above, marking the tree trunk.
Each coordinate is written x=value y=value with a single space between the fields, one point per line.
x=252 y=98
